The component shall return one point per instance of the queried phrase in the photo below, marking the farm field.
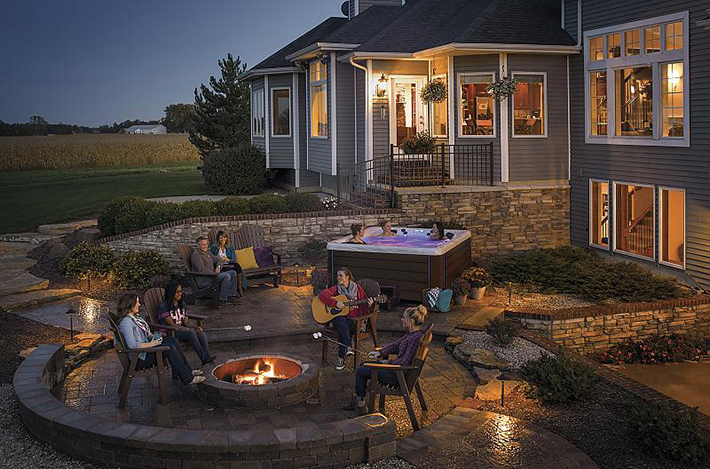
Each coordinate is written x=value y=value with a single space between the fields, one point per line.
x=94 y=150
x=32 y=198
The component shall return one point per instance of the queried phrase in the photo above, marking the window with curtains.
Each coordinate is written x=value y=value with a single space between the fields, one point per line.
x=319 y=100
x=529 y=113
x=477 y=111
x=257 y=113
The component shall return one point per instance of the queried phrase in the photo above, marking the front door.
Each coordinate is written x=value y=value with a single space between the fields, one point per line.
x=408 y=113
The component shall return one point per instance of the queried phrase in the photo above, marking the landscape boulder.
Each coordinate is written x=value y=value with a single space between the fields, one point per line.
x=88 y=234
x=481 y=358
x=58 y=251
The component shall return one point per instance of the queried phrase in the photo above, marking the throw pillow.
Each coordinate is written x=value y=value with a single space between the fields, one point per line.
x=443 y=302
x=264 y=256
x=246 y=259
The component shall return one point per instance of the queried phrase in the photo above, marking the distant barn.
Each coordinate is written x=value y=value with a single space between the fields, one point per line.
x=147 y=129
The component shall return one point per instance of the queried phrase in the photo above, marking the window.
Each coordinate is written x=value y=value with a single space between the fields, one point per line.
x=281 y=112
x=596 y=47
x=597 y=89
x=440 y=117
x=257 y=113
x=477 y=112
x=599 y=213
x=613 y=45
x=672 y=227
x=633 y=42
x=652 y=37
x=674 y=36
x=634 y=218
x=319 y=100
x=634 y=102
x=672 y=99
x=529 y=106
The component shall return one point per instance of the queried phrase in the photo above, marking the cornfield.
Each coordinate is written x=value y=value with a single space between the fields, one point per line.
x=93 y=150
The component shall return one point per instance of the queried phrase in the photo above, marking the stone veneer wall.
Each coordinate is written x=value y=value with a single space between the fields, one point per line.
x=596 y=329
x=501 y=219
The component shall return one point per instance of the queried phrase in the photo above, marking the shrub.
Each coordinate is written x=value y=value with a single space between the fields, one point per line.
x=133 y=216
x=267 y=203
x=197 y=208
x=670 y=432
x=107 y=217
x=421 y=142
x=313 y=251
x=558 y=379
x=477 y=277
x=239 y=170
x=578 y=272
x=503 y=332
x=231 y=206
x=320 y=279
x=656 y=349
x=461 y=287
x=331 y=203
x=136 y=269
x=87 y=261
x=162 y=212
x=301 y=202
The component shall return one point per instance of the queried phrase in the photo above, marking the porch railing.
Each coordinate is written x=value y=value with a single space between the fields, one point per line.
x=372 y=183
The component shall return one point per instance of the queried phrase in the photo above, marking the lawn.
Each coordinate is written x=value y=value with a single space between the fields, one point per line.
x=32 y=198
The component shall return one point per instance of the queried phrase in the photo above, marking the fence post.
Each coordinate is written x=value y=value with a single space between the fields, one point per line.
x=443 y=166
x=337 y=181
x=393 y=194
x=490 y=161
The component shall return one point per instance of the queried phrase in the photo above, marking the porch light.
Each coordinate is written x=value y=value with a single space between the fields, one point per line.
x=381 y=87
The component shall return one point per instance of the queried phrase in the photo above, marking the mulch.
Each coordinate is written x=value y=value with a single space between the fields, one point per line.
x=598 y=426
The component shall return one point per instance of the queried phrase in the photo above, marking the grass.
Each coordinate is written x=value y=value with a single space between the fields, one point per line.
x=32 y=198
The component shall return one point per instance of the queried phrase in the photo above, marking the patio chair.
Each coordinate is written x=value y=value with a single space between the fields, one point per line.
x=152 y=300
x=210 y=291
x=365 y=326
x=129 y=362
x=212 y=234
x=407 y=377
x=253 y=236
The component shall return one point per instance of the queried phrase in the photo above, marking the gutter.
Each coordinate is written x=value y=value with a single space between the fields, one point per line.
x=494 y=47
x=269 y=71
x=319 y=46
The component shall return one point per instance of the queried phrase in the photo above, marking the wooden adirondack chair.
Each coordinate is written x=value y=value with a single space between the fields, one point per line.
x=129 y=361
x=253 y=236
x=210 y=291
x=212 y=234
x=152 y=300
x=366 y=325
x=407 y=376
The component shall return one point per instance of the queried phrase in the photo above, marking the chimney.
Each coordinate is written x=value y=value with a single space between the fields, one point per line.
x=351 y=8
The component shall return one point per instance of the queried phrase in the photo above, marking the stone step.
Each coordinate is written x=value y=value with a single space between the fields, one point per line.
x=66 y=228
x=15 y=263
x=15 y=248
x=20 y=281
x=481 y=318
x=30 y=238
x=34 y=298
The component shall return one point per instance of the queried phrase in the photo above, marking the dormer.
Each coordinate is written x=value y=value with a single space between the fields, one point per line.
x=351 y=8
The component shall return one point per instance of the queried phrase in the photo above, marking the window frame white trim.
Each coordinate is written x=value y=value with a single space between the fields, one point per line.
x=267 y=123
x=253 y=103
x=296 y=132
x=290 y=111
x=615 y=250
x=655 y=60
x=611 y=225
x=310 y=101
x=660 y=227
x=334 y=116
x=392 y=114
x=459 y=120
x=544 y=103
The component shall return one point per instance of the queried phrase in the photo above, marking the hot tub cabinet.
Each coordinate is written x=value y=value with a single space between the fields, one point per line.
x=412 y=266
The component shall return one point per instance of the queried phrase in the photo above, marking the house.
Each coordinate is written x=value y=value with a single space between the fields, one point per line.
x=333 y=108
x=150 y=129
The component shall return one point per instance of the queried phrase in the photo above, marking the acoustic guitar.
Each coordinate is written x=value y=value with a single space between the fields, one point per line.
x=324 y=314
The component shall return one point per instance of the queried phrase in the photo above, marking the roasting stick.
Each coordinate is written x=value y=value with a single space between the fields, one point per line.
x=319 y=335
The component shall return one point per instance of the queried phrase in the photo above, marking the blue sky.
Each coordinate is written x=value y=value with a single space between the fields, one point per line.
x=92 y=62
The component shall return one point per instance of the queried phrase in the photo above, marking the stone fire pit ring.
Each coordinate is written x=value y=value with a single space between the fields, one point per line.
x=291 y=391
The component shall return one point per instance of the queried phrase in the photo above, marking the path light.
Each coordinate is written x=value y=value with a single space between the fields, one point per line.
x=510 y=292
x=503 y=378
x=71 y=314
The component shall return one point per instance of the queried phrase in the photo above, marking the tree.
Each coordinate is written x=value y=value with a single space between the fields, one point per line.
x=178 y=117
x=38 y=125
x=222 y=110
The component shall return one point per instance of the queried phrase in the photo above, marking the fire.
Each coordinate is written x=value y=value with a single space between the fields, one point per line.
x=262 y=373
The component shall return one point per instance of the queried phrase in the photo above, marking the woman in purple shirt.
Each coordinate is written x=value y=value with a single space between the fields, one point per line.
x=405 y=347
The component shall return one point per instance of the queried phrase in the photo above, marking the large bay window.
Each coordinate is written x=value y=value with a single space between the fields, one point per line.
x=257 y=113
x=637 y=83
x=634 y=219
x=672 y=227
x=529 y=113
x=477 y=111
x=281 y=112
x=599 y=213
x=440 y=114
x=319 y=100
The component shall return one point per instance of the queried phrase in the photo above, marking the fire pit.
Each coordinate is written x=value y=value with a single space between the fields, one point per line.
x=258 y=381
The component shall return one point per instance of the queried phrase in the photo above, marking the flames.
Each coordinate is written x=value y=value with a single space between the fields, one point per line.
x=262 y=373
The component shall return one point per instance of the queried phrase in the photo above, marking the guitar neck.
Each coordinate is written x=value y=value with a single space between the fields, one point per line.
x=358 y=302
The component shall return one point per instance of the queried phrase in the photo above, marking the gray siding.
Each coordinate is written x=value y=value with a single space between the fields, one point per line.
x=571 y=17
x=687 y=168
x=280 y=148
x=532 y=159
x=307 y=178
x=258 y=84
x=477 y=64
x=345 y=107
x=320 y=149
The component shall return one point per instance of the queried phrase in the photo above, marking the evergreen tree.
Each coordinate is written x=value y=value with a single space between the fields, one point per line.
x=222 y=112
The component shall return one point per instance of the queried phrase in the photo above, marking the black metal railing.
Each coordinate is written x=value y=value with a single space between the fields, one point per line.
x=373 y=182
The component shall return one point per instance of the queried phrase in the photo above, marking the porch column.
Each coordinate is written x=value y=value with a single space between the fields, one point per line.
x=267 y=120
x=504 y=121
x=453 y=126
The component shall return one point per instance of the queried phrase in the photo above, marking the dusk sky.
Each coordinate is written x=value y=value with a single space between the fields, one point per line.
x=90 y=62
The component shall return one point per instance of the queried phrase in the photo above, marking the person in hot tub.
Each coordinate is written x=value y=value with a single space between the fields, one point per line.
x=437 y=231
x=387 y=230
x=358 y=233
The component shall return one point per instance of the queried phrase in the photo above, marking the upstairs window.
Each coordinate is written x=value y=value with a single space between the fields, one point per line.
x=672 y=109
x=319 y=100
x=598 y=101
x=634 y=102
x=674 y=36
x=257 y=113
x=633 y=42
x=529 y=113
x=613 y=45
x=596 y=48
x=652 y=38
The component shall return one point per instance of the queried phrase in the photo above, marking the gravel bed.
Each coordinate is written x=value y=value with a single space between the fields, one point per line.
x=528 y=300
x=518 y=353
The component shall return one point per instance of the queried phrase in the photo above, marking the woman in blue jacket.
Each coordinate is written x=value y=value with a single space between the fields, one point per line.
x=225 y=252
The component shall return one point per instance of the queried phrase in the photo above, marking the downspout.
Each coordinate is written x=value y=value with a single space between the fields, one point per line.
x=368 y=115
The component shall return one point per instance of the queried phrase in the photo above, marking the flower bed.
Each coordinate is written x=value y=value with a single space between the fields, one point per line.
x=657 y=349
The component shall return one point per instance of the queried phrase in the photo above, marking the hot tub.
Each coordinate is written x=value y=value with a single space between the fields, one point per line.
x=411 y=261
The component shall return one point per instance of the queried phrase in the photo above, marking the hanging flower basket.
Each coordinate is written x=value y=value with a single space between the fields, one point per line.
x=434 y=92
x=503 y=88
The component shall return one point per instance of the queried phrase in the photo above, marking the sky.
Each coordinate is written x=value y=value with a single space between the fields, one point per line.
x=92 y=62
